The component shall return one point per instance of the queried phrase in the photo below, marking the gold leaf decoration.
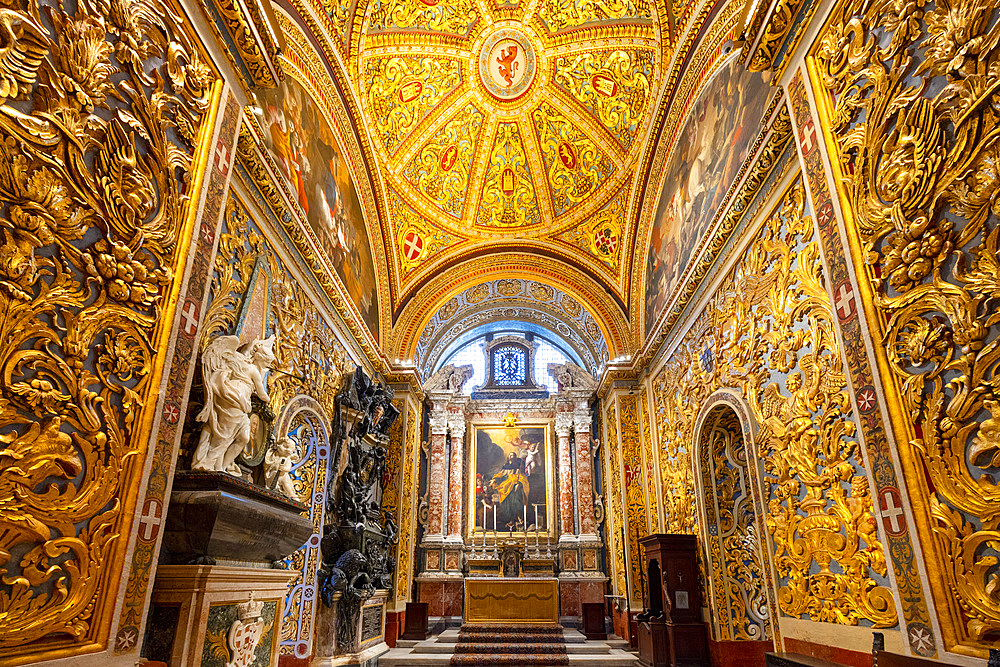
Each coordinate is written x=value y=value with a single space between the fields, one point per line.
x=418 y=238
x=448 y=16
x=94 y=198
x=601 y=234
x=768 y=331
x=402 y=90
x=613 y=86
x=508 y=192
x=575 y=165
x=441 y=169
x=912 y=113
x=561 y=14
x=739 y=580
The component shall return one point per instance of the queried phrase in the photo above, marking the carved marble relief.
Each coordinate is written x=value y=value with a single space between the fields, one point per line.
x=768 y=332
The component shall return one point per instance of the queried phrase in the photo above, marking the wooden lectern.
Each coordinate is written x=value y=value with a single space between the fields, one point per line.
x=671 y=630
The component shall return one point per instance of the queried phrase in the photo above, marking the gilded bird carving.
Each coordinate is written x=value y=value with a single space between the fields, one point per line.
x=23 y=46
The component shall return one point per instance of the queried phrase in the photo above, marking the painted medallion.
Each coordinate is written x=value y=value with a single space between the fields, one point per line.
x=507 y=64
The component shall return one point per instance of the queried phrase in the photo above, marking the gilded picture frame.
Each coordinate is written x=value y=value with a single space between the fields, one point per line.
x=502 y=459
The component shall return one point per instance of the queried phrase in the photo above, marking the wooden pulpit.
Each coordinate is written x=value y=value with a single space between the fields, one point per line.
x=671 y=630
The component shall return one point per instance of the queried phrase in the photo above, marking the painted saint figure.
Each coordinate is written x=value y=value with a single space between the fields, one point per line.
x=510 y=488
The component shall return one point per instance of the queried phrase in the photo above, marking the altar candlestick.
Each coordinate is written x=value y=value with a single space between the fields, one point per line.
x=484 y=523
x=536 y=527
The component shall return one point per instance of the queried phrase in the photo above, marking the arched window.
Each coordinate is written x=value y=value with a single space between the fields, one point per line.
x=509 y=363
x=472 y=352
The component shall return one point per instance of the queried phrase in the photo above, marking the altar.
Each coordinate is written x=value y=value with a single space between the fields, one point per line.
x=512 y=600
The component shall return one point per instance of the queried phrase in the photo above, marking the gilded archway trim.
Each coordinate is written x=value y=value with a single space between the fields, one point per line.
x=413 y=319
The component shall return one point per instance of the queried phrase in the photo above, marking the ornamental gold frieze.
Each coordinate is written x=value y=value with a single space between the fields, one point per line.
x=768 y=331
x=453 y=17
x=775 y=22
x=910 y=116
x=427 y=42
x=251 y=37
x=556 y=15
x=784 y=24
x=767 y=162
x=103 y=124
x=629 y=32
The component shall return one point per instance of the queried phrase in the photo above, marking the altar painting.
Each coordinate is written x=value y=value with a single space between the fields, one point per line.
x=307 y=154
x=713 y=144
x=512 y=477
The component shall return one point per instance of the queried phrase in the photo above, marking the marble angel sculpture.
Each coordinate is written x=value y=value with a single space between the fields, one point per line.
x=278 y=464
x=231 y=377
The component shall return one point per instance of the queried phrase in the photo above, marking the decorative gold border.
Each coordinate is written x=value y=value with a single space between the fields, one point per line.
x=418 y=312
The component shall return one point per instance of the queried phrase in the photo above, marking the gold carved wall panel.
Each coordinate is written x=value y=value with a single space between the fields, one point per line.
x=407 y=508
x=767 y=331
x=910 y=114
x=613 y=528
x=739 y=578
x=636 y=520
x=101 y=113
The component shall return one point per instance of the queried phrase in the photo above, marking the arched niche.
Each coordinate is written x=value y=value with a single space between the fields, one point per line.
x=740 y=587
x=305 y=422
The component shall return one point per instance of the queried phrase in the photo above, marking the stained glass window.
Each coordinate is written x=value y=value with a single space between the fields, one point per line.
x=509 y=365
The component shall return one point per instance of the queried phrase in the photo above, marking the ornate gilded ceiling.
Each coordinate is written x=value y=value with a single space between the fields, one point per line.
x=514 y=140
x=500 y=123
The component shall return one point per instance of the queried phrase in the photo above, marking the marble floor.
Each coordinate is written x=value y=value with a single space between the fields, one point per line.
x=438 y=649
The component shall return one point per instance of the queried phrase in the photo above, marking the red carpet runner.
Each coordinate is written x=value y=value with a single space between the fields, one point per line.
x=510 y=645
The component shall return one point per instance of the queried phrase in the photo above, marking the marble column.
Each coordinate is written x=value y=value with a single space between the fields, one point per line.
x=584 y=470
x=456 y=424
x=437 y=472
x=563 y=427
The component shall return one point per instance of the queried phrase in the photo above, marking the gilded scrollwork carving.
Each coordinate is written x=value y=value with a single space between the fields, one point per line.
x=768 y=331
x=913 y=114
x=738 y=577
x=102 y=104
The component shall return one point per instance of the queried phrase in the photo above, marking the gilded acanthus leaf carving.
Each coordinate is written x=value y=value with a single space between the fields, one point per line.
x=101 y=105
x=913 y=112
x=768 y=331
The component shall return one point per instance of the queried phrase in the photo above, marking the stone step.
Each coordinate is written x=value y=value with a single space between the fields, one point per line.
x=405 y=658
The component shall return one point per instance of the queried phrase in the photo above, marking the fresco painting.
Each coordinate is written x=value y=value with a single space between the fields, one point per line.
x=306 y=151
x=713 y=144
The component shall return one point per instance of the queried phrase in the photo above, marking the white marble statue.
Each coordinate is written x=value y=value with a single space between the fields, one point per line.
x=231 y=377
x=571 y=376
x=278 y=464
x=449 y=378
